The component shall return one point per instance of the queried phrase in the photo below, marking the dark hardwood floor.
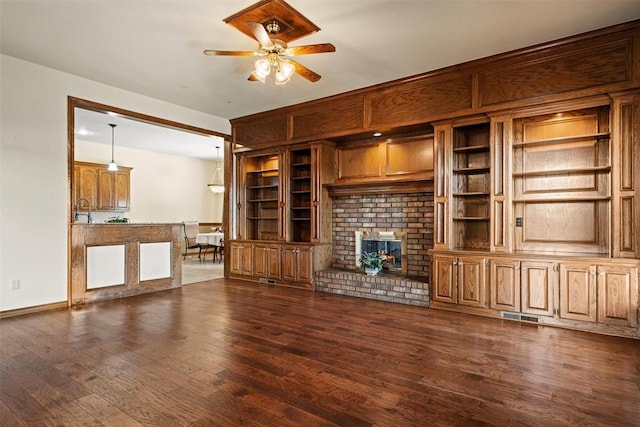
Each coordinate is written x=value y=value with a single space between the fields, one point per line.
x=228 y=353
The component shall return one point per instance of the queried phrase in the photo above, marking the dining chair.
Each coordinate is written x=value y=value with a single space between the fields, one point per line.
x=219 y=251
x=191 y=229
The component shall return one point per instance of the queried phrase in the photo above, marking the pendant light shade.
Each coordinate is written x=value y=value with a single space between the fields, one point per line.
x=217 y=182
x=113 y=167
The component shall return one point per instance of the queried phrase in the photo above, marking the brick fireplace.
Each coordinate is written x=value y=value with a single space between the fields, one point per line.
x=410 y=214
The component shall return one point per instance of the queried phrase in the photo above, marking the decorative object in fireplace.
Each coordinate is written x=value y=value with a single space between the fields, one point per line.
x=391 y=245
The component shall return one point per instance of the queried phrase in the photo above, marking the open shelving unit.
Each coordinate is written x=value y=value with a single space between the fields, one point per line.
x=470 y=192
x=262 y=197
x=561 y=180
x=300 y=195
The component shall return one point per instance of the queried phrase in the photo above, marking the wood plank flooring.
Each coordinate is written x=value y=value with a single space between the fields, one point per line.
x=227 y=353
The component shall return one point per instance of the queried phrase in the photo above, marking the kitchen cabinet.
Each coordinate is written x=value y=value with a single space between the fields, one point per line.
x=113 y=190
x=85 y=184
x=105 y=190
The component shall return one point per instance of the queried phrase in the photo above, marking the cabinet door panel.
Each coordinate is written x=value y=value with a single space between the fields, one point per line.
x=121 y=196
x=235 y=260
x=273 y=262
x=86 y=185
x=444 y=288
x=304 y=265
x=260 y=264
x=538 y=279
x=578 y=291
x=505 y=285
x=471 y=281
x=617 y=295
x=247 y=260
x=106 y=195
x=289 y=263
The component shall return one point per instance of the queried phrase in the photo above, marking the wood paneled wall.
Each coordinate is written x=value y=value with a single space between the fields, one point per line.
x=593 y=63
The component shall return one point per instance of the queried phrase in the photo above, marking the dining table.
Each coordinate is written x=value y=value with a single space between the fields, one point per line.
x=211 y=240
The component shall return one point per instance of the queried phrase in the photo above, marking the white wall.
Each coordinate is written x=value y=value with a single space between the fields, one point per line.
x=33 y=172
x=164 y=188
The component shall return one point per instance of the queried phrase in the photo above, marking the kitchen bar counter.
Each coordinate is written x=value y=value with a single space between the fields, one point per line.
x=115 y=260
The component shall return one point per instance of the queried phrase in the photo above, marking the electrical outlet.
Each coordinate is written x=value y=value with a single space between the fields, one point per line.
x=14 y=284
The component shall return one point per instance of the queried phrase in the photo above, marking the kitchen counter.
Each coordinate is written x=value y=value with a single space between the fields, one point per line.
x=114 y=260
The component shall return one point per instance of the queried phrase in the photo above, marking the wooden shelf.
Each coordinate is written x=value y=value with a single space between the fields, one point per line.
x=262 y=200
x=563 y=199
x=260 y=218
x=471 y=194
x=571 y=171
x=564 y=140
x=471 y=148
x=298 y=178
x=263 y=171
x=299 y=165
x=471 y=170
x=471 y=218
x=261 y=187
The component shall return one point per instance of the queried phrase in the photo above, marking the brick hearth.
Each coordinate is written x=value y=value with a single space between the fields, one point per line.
x=384 y=287
x=411 y=213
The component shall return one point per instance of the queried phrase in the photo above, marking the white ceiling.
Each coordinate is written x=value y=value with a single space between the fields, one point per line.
x=155 y=47
x=94 y=126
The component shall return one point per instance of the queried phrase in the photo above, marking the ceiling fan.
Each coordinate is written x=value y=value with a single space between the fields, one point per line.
x=274 y=55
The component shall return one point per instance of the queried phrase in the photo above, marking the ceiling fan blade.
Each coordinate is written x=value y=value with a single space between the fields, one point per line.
x=305 y=72
x=311 y=48
x=228 y=52
x=261 y=35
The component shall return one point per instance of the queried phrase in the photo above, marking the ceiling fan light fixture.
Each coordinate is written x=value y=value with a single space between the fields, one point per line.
x=284 y=73
x=262 y=69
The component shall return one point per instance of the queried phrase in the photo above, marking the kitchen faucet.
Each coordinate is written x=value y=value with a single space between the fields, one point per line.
x=78 y=206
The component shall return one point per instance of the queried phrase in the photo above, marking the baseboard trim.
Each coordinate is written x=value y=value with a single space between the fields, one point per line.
x=34 y=309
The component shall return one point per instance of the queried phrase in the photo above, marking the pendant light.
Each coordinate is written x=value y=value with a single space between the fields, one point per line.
x=113 y=167
x=217 y=182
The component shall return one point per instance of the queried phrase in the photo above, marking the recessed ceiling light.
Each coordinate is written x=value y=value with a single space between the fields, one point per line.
x=112 y=114
x=377 y=134
x=84 y=132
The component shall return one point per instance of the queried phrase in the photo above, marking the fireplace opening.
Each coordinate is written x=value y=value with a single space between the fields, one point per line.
x=391 y=245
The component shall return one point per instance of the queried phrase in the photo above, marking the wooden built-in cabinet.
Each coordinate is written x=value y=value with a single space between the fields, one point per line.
x=598 y=293
x=297 y=263
x=470 y=186
x=283 y=214
x=290 y=264
x=266 y=260
x=535 y=178
x=262 y=198
x=241 y=258
x=592 y=292
x=547 y=191
x=105 y=190
x=461 y=280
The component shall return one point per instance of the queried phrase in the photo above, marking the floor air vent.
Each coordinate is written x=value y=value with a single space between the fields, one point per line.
x=518 y=316
x=268 y=281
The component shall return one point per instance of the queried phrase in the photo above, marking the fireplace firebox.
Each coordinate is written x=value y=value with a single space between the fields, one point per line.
x=391 y=245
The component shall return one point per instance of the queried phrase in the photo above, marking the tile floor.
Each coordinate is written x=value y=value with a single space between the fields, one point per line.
x=194 y=270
